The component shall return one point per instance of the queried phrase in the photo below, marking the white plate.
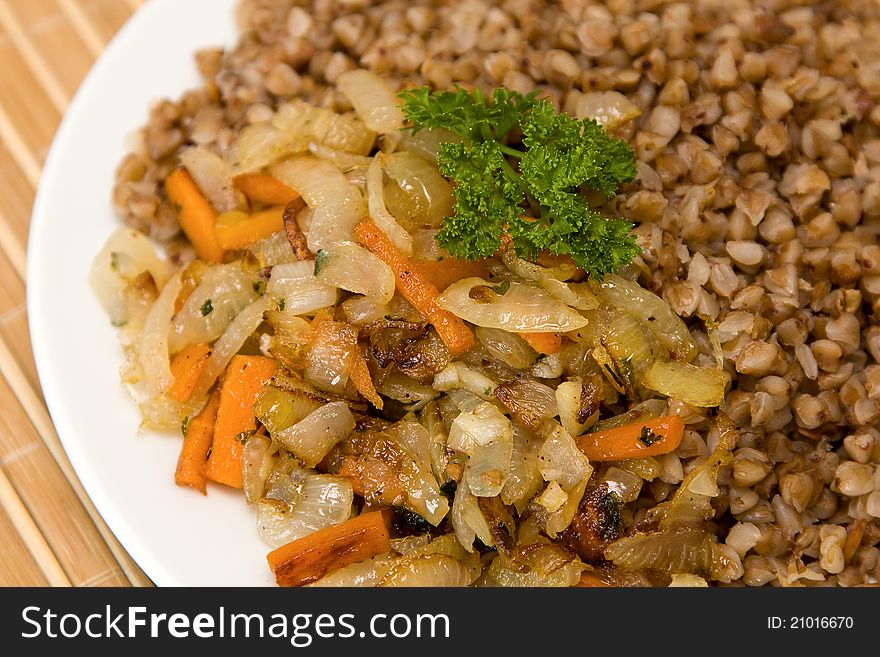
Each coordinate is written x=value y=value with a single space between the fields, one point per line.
x=176 y=535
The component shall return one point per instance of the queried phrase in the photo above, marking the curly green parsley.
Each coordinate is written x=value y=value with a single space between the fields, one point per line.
x=516 y=152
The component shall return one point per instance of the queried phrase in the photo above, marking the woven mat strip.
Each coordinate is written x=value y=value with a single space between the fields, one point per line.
x=57 y=537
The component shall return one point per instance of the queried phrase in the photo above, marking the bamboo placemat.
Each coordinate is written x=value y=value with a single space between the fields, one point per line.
x=50 y=532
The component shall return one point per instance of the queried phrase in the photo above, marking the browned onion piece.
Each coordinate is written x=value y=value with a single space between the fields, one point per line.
x=541 y=564
x=382 y=470
x=529 y=401
x=295 y=236
x=390 y=339
x=592 y=393
x=608 y=575
x=422 y=359
x=509 y=348
x=501 y=522
x=595 y=525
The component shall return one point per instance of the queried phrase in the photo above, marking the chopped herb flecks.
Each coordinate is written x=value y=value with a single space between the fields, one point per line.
x=244 y=436
x=206 y=308
x=502 y=288
x=321 y=258
x=648 y=437
x=611 y=522
x=449 y=488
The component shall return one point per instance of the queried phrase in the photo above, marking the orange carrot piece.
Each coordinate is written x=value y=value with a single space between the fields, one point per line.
x=443 y=273
x=650 y=438
x=416 y=288
x=245 y=378
x=196 y=444
x=308 y=559
x=195 y=214
x=239 y=232
x=543 y=343
x=186 y=368
x=360 y=376
x=262 y=188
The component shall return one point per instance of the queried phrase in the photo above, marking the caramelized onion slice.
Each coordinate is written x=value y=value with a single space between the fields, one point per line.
x=673 y=551
x=521 y=308
x=372 y=99
x=698 y=386
x=652 y=311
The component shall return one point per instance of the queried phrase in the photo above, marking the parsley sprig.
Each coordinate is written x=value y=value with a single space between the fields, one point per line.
x=517 y=156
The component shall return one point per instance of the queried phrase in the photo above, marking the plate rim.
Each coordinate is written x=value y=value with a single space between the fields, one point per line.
x=110 y=511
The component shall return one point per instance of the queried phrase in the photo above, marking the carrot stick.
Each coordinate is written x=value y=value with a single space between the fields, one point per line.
x=196 y=445
x=415 y=288
x=650 y=438
x=308 y=559
x=360 y=376
x=261 y=188
x=239 y=232
x=195 y=214
x=245 y=378
x=543 y=343
x=443 y=273
x=186 y=368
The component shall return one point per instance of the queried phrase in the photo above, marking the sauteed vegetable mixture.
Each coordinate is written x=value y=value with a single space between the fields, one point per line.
x=520 y=293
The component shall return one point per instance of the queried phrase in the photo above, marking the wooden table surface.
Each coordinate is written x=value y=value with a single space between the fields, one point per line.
x=50 y=532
